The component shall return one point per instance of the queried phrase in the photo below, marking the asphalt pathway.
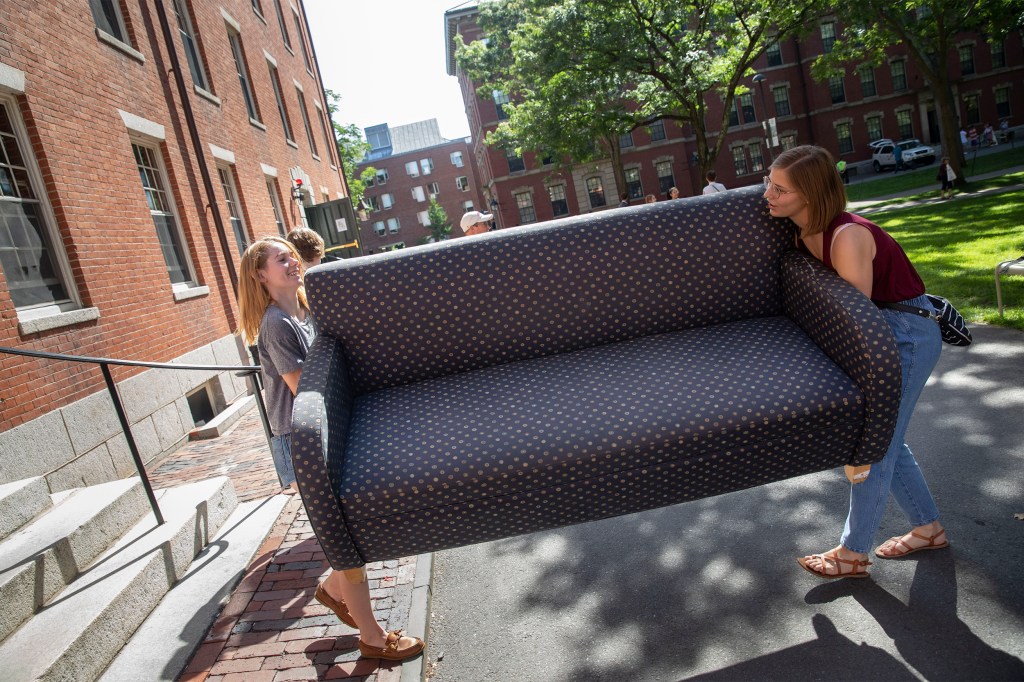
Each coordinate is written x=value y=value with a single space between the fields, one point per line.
x=710 y=590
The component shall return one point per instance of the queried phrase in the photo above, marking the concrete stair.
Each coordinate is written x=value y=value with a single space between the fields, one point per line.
x=80 y=571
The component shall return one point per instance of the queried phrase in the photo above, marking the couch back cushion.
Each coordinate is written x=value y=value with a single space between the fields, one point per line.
x=563 y=285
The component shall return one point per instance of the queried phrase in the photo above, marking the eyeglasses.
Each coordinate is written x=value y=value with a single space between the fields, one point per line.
x=772 y=187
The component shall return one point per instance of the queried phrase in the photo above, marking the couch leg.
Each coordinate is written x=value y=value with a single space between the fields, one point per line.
x=355 y=575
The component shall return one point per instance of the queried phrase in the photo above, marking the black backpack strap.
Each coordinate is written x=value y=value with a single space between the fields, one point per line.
x=913 y=309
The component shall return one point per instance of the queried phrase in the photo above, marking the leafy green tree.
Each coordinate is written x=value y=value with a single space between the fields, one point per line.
x=580 y=71
x=352 y=149
x=928 y=29
x=440 y=228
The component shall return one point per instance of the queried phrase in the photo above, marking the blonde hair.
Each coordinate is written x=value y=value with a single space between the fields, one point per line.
x=812 y=172
x=253 y=299
x=307 y=242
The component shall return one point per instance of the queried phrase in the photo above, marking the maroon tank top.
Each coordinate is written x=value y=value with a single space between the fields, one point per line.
x=893 y=275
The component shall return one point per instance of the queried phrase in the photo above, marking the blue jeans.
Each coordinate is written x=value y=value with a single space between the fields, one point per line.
x=281 y=451
x=919 y=344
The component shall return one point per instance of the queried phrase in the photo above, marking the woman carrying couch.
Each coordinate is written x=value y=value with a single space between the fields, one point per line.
x=804 y=186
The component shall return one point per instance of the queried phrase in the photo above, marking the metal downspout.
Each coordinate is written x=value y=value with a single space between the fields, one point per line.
x=197 y=144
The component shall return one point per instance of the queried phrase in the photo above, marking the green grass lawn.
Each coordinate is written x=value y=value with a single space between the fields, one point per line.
x=955 y=246
x=887 y=183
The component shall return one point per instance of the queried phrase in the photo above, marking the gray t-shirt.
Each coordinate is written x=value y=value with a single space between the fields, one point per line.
x=283 y=344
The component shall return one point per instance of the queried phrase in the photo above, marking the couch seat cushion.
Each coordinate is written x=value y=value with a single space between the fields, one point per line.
x=550 y=421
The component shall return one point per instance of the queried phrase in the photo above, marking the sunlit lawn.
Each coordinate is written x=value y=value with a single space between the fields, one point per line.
x=956 y=244
x=887 y=183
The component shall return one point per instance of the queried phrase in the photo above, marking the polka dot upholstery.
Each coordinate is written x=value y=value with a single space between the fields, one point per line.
x=580 y=369
x=850 y=329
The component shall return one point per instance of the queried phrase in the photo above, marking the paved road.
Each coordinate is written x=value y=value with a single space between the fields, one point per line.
x=710 y=589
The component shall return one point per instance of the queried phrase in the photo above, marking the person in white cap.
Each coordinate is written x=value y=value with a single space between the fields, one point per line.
x=475 y=222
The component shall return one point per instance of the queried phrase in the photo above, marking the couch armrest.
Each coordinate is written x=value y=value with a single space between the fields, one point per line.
x=852 y=331
x=320 y=422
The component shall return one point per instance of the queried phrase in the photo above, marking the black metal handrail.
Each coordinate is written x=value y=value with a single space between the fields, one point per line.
x=248 y=371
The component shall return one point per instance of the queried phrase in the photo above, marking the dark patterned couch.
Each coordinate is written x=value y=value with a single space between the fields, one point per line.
x=575 y=370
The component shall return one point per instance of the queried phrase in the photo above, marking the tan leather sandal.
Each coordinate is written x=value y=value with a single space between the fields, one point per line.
x=898 y=552
x=390 y=651
x=339 y=607
x=832 y=560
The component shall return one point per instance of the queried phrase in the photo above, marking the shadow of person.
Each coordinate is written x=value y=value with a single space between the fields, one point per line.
x=830 y=655
x=927 y=630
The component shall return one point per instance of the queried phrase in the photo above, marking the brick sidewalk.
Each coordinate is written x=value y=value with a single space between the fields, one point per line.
x=271 y=629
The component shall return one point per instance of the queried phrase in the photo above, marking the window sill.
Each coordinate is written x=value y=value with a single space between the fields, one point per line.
x=259 y=16
x=123 y=47
x=190 y=292
x=316 y=158
x=55 y=320
x=291 y=143
x=258 y=124
x=206 y=94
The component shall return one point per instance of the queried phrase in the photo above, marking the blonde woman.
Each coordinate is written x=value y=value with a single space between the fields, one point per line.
x=275 y=316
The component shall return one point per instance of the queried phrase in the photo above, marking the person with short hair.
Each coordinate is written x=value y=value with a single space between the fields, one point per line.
x=712 y=187
x=475 y=222
x=672 y=193
x=650 y=199
x=309 y=244
x=804 y=186
x=624 y=199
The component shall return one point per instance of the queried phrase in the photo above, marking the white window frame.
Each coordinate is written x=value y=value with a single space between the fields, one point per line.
x=424 y=218
x=186 y=29
x=172 y=204
x=387 y=200
x=122 y=28
x=301 y=97
x=282 y=110
x=302 y=41
x=412 y=169
x=275 y=203
x=462 y=183
x=418 y=194
x=380 y=228
x=382 y=176
x=394 y=225
x=427 y=166
x=233 y=206
x=456 y=158
x=48 y=220
x=244 y=77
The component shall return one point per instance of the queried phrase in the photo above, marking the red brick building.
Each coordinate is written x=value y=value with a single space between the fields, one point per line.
x=842 y=115
x=126 y=196
x=413 y=165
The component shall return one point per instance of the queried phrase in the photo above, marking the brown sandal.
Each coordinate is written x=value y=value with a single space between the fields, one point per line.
x=895 y=542
x=833 y=556
x=390 y=650
x=339 y=607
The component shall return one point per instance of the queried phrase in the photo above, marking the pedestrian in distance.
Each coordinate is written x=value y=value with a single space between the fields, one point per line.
x=804 y=186
x=947 y=176
x=972 y=137
x=624 y=199
x=475 y=222
x=672 y=193
x=275 y=316
x=309 y=244
x=712 y=187
x=841 y=167
x=989 y=136
x=897 y=155
x=650 y=199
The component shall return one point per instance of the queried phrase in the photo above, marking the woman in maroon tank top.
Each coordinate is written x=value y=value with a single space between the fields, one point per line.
x=804 y=186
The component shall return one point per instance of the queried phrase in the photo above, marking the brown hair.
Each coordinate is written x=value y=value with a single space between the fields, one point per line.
x=253 y=298
x=812 y=172
x=308 y=243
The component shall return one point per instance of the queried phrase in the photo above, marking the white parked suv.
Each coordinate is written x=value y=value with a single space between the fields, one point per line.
x=914 y=154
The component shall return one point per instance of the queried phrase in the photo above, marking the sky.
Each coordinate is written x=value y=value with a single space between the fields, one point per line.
x=386 y=59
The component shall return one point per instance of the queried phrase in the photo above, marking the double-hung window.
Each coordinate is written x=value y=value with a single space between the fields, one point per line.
x=235 y=40
x=30 y=262
x=161 y=208
x=234 y=207
x=190 y=41
x=282 y=110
